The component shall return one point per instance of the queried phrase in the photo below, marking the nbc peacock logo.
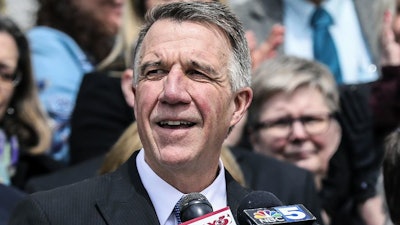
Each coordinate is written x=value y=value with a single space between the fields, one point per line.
x=268 y=216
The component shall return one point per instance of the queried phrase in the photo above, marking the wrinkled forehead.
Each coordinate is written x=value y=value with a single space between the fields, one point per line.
x=172 y=30
x=152 y=3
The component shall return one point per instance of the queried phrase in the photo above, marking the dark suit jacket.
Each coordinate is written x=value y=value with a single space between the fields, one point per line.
x=9 y=197
x=72 y=174
x=100 y=116
x=116 y=198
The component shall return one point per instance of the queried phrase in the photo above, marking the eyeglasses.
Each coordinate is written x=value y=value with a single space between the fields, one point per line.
x=313 y=125
x=13 y=78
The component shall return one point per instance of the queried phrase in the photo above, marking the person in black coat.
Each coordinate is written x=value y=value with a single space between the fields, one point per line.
x=100 y=115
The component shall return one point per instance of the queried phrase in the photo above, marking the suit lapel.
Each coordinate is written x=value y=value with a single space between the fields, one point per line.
x=127 y=202
x=235 y=193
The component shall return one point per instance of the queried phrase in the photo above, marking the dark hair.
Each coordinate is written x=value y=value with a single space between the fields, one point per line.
x=65 y=16
x=24 y=62
x=28 y=120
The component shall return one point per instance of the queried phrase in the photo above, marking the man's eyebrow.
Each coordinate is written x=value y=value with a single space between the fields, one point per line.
x=146 y=65
x=206 y=68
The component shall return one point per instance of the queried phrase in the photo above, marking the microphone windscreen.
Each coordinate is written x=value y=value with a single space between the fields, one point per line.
x=254 y=200
x=194 y=205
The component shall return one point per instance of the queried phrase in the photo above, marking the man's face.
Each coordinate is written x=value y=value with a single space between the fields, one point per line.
x=183 y=100
x=107 y=12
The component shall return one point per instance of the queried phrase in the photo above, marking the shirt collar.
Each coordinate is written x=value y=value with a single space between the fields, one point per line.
x=304 y=8
x=165 y=200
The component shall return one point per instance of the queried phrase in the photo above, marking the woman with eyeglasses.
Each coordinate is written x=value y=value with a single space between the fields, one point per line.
x=296 y=117
x=24 y=130
x=292 y=116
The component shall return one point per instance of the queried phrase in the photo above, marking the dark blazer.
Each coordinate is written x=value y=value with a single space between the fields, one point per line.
x=100 y=116
x=291 y=184
x=71 y=174
x=9 y=197
x=116 y=198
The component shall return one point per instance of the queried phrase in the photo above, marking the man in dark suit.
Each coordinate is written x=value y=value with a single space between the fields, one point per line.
x=191 y=86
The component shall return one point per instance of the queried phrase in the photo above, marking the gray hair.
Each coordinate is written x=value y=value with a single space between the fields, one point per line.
x=209 y=13
x=285 y=74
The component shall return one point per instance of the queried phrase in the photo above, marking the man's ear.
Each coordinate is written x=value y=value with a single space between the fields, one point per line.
x=127 y=87
x=242 y=102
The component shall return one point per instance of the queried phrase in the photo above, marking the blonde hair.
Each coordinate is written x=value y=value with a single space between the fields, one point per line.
x=129 y=142
x=32 y=111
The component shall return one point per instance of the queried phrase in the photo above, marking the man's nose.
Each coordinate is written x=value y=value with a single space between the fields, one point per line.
x=175 y=87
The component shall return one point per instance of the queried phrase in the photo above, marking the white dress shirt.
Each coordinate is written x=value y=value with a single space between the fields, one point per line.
x=164 y=196
x=355 y=60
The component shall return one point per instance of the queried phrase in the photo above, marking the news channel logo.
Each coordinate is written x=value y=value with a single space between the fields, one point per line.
x=280 y=214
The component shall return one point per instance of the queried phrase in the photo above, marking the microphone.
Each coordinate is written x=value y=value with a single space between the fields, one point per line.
x=254 y=200
x=264 y=208
x=194 y=205
x=195 y=209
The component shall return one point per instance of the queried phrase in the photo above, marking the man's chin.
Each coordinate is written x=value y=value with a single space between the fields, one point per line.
x=175 y=160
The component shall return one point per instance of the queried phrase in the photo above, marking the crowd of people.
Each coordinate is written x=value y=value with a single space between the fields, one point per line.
x=118 y=108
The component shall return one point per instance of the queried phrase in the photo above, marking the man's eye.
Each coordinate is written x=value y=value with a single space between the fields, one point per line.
x=195 y=74
x=155 y=74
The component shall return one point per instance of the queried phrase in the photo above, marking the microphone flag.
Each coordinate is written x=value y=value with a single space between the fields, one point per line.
x=220 y=217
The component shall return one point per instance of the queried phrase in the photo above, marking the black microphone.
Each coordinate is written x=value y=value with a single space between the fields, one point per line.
x=264 y=208
x=254 y=200
x=195 y=209
x=194 y=205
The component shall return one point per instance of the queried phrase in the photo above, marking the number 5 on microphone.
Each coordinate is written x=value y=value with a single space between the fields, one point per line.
x=293 y=213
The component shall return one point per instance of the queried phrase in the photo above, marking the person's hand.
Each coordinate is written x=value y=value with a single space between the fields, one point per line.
x=268 y=48
x=390 y=48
